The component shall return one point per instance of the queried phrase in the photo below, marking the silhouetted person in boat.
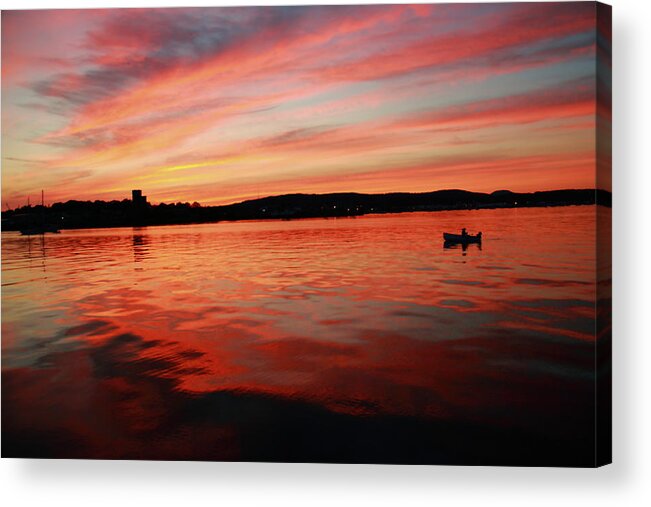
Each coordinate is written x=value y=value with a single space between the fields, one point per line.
x=479 y=235
x=463 y=232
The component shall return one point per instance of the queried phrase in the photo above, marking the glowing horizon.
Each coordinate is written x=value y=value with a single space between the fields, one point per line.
x=220 y=105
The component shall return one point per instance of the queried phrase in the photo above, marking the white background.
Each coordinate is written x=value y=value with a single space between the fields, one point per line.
x=626 y=482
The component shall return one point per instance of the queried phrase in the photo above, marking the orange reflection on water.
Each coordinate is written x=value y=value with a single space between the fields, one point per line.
x=112 y=338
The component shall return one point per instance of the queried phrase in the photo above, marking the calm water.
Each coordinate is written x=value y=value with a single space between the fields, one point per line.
x=358 y=339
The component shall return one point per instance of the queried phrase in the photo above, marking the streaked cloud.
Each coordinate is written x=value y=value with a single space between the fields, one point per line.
x=221 y=104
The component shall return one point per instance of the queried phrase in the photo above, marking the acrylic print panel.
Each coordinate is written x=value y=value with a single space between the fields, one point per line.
x=349 y=234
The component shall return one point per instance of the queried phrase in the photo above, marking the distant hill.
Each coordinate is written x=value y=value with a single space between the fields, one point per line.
x=85 y=214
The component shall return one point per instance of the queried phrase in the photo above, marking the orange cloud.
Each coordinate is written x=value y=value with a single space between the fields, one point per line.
x=289 y=98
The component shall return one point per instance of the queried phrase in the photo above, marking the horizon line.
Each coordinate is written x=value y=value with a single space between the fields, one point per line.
x=596 y=189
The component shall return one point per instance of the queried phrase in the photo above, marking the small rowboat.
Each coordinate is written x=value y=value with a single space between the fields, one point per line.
x=461 y=238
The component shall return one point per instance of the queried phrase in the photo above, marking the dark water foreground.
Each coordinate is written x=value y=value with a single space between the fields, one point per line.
x=350 y=340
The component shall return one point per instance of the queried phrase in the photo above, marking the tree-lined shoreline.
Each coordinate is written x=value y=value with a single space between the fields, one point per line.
x=74 y=214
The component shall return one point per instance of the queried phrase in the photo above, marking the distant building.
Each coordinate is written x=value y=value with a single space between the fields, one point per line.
x=139 y=208
x=137 y=198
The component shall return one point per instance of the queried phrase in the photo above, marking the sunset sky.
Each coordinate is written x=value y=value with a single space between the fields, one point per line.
x=219 y=105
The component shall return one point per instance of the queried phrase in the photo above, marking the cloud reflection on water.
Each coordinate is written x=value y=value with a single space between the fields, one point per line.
x=334 y=331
